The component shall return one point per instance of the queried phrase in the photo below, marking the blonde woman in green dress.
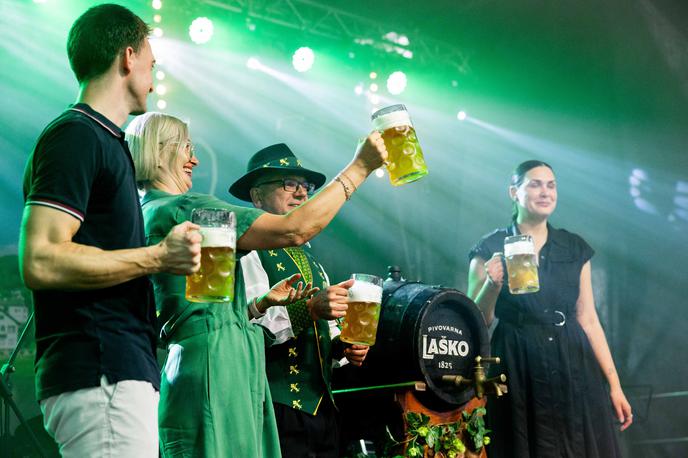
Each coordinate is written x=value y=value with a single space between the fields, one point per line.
x=214 y=397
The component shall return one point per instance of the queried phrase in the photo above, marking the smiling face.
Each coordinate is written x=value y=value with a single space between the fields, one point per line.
x=273 y=198
x=536 y=196
x=178 y=173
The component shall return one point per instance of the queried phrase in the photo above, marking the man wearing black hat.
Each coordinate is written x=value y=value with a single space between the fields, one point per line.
x=299 y=363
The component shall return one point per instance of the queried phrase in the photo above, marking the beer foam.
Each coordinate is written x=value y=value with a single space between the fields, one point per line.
x=394 y=119
x=522 y=247
x=217 y=237
x=362 y=291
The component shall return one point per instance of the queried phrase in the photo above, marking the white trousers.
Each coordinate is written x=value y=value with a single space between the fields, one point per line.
x=118 y=420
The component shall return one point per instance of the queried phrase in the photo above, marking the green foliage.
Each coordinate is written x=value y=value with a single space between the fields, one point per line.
x=475 y=427
x=444 y=439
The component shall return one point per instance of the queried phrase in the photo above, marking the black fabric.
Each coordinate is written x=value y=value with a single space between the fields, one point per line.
x=308 y=436
x=557 y=405
x=82 y=166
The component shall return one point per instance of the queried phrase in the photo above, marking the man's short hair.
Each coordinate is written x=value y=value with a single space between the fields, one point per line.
x=99 y=35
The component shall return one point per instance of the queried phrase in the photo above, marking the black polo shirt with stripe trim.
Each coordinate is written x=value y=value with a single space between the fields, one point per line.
x=81 y=165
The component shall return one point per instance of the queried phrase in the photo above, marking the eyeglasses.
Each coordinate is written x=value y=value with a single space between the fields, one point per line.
x=291 y=185
x=192 y=150
x=189 y=146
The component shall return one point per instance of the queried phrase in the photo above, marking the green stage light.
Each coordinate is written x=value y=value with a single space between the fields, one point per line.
x=201 y=30
x=303 y=59
x=253 y=63
x=396 y=83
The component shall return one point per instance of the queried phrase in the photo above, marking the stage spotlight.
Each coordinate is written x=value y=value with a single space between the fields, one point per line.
x=461 y=115
x=373 y=75
x=157 y=32
x=161 y=89
x=160 y=75
x=358 y=89
x=157 y=4
x=161 y=104
x=396 y=83
x=374 y=99
x=303 y=59
x=157 y=18
x=373 y=87
x=379 y=173
x=253 y=63
x=201 y=30
x=408 y=54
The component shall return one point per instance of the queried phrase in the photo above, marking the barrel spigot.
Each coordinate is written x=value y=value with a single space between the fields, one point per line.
x=480 y=383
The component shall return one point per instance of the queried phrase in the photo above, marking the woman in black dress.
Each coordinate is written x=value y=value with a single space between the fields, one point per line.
x=551 y=343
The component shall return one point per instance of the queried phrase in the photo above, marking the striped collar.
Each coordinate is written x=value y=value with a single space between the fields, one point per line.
x=104 y=122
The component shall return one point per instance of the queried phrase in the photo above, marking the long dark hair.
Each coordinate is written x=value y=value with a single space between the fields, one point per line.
x=519 y=174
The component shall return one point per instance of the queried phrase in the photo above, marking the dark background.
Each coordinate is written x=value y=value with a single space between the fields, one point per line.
x=597 y=89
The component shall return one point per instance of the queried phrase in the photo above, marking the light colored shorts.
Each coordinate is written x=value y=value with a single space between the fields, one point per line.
x=117 y=420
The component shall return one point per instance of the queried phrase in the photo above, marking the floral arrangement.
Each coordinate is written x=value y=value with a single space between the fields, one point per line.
x=460 y=439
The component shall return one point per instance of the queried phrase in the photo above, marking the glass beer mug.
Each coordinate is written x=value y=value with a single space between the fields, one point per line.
x=214 y=282
x=360 y=323
x=405 y=161
x=521 y=264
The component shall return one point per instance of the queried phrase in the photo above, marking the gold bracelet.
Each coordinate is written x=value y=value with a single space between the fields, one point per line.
x=347 y=191
x=350 y=180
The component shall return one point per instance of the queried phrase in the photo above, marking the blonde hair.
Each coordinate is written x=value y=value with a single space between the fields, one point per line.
x=150 y=136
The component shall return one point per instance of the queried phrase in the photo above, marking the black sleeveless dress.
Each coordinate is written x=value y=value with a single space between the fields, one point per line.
x=558 y=404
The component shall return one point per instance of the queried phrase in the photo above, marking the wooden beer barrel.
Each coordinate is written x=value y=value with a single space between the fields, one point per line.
x=426 y=332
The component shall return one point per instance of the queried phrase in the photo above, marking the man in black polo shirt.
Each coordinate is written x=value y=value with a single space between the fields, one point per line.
x=82 y=251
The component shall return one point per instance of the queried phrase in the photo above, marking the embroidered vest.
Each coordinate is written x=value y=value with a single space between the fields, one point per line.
x=299 y=370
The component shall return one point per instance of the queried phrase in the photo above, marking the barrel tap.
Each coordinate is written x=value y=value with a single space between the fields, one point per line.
x=480 y=383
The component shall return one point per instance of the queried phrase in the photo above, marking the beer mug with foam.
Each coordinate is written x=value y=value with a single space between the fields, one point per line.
x=214 y=282
x=360 y=323
x=405 y=160
x=521 y=264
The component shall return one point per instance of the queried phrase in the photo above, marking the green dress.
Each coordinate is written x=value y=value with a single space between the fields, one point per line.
x=214 y=396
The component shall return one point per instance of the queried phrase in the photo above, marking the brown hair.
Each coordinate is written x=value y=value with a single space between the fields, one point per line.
x=99 y=35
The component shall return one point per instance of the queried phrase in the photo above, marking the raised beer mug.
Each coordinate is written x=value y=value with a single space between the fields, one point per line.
x=521 y=264
x=214 y=282
x=405 y=162
x=360 y=323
